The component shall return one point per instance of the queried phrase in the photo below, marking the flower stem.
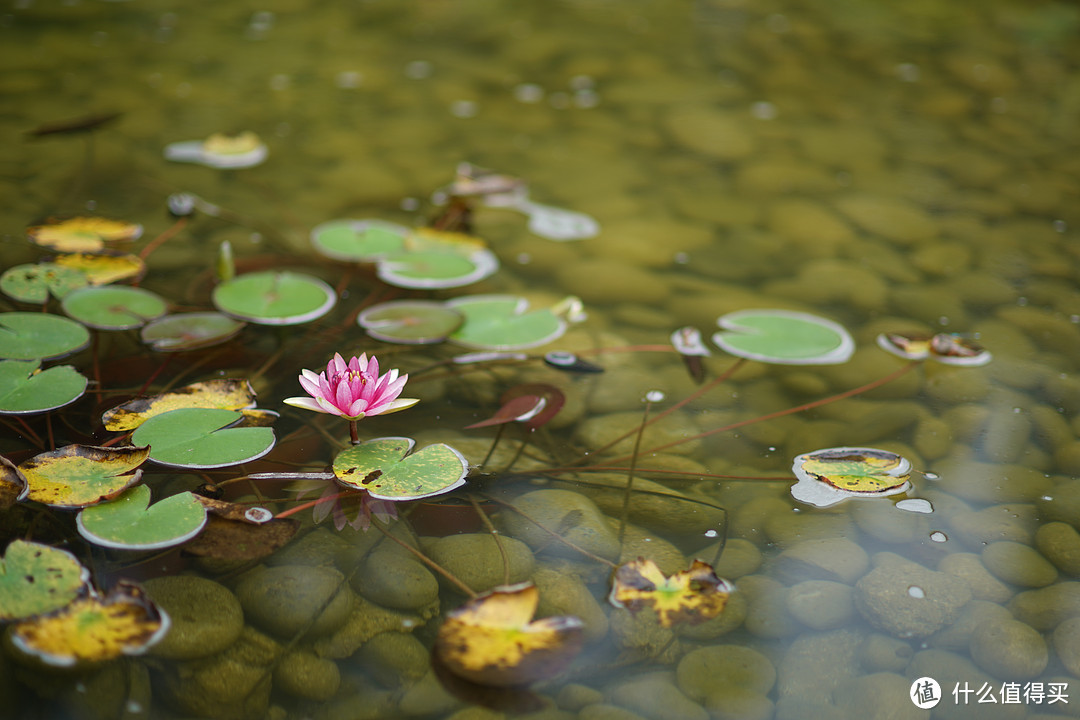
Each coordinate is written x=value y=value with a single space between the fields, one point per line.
x=354 y=436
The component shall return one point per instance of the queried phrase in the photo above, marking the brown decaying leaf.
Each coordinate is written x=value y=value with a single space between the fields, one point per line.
x=13 y=486
x=240 y=540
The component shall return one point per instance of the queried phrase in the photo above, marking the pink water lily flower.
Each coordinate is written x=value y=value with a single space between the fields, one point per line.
x=353 y=391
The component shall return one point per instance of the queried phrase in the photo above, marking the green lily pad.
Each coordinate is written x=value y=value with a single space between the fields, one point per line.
x=76 y=476
x=358 y=240
x=433 y=269
x=33 y=282
x=784 y=337
x=189 y=331
x=115 y=307
x=275 y=298
x=36 y=579
x=414 y=322
x=33 y=336
x=130 y=522
x=502 y=322
x=202 y=438
x=383 y=468
x=24 y=390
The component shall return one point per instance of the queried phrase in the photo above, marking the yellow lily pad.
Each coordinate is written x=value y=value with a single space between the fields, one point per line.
x=104 y=268
x=94 y=628
x=691 y=596
x=77 y=476
x=491 y=641
x=222 y=394
x=82 y=234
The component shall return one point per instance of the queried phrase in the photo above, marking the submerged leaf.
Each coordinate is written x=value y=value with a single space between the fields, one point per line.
x=226 y=539
x=223 y=393
x=189 y=331
x=692 y=596
x=82 y=234
x=36 y=579
x=94 y=628
x=491 y=641
x=77 y=476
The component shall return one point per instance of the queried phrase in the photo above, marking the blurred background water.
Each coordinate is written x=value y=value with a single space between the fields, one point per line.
x=893 y=166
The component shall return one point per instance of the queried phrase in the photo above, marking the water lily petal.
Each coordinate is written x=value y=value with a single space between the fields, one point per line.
x=305 y=403
x=399 y=404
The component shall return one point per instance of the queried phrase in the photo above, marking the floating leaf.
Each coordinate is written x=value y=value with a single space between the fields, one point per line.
x=76 y=476
x=220 y=150
x=36 y=579
x=25 y=390
x=202 y=438
x=784 y=337
x=412 y=322
x=692 y=596
x=829 y=476
x=82 y=234
x=189 y=331
x=224 y=539
x=94 y=628
x=432 y=270
x=275 y=298
x=381 y=467
x=37 y=336
x=13 y=487
x=358 y=240
x=533 y=404
x=113 y=307
x=222 y=393
x=33 y=283
x=104 y=268
x=502 y=322
x=491 y=641
x=947 y=348
x=129 y=522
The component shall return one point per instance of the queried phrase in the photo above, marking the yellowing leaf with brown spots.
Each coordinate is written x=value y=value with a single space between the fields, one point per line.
x=82 y=234
x=222 y=394
x=77 y=476
x=93 y=629
x=692 y=596
x=491 y=641
x=105 y=268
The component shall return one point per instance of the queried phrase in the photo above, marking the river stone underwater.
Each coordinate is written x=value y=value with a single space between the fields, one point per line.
x=893 y=166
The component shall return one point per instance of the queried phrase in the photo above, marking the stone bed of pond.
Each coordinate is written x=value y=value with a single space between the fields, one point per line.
x=893 y=166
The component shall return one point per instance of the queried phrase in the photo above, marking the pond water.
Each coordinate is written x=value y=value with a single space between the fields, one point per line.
x=894 y=167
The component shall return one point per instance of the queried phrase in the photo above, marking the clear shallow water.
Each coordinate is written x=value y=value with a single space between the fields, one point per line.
x=892 y=167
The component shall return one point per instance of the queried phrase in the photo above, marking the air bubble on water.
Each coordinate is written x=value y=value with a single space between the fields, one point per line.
x=711 y=533
x=931 y=476
x=917 y=505
x=654 y=396
x=938 y=536
x=916 y=592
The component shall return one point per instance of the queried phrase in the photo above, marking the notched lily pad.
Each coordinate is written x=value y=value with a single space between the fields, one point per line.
x=358 y=240
x=38 y=336
x=94 y=629
x=275 y=298
x=36 y=579
x=82 y=234
x=189 y=331
x=412 y=322
x=691 y=596
x=784 y=337
x=104 y=268
x=25 y=389
x=200 y=438
x=34 y=282
x=382 y=467
x=130 y=522
x=503 y=322
x=113 y=307
x=832 y=475
x=493 y=640
x=76 y=476
x=222 y=393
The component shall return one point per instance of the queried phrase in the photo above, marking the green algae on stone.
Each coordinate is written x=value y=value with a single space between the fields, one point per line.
x=1018 y=564
x=1009 y=649
x=287 y=599
x=476 y=559
x=572 y=515
x=908 y=600
x=206 y=616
